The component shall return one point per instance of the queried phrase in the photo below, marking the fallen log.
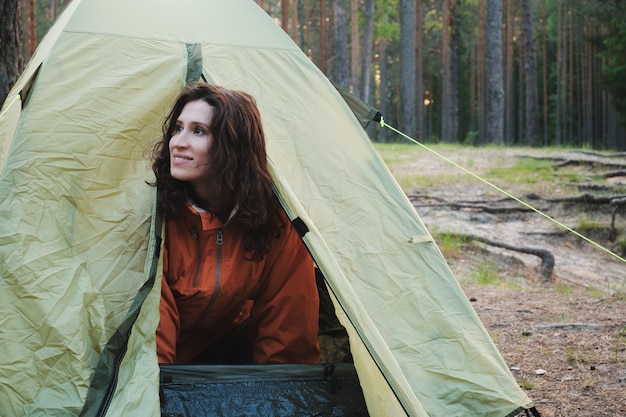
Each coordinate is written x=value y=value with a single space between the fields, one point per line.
x=547 y=258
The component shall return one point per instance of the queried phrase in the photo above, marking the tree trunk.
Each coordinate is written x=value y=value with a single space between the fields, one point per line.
x=383 y=85
x=368 y=47
x=544 y=65
x=455 y=40
x=509 y=96
x=284 y=15
x=323 y=58
x=446 y=75
x=295 y=27
x=355 y=42
x=10 y=45
x=482 y=128
x=559 y=75
x=530 y=74
x=340 y=67
x=406 y=115
x=419 y=71
x=495 y=90
x=31 y=24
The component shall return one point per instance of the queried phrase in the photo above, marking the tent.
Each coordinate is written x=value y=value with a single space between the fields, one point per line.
x=80 y=239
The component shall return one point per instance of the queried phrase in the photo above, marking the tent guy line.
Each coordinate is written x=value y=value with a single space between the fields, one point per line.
x=17 y=97
x=517 y=199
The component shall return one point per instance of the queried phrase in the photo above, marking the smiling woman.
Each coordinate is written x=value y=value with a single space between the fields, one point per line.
x=189 y=146
x=238 y=283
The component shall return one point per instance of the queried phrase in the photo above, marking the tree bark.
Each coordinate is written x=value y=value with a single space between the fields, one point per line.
x=446 y=75
x=544 y=65
x=482 y=128
x=455 y=40
x=509 y=96
x=10 y=45
x=323 y=57
x=284 y=15
x=530 y=75
x=419 y=71
x=368 y=47
x=406 y=117
x=355 y=50
x=340 y=68
x=383 y=85
x=495 y=90
x=295 y=27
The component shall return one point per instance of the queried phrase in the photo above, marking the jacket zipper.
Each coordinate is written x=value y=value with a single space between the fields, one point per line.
x=218 y=271
x=194 y=236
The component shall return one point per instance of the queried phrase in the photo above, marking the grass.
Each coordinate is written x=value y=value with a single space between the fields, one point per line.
x=530 y=174
x=485 y=273
x=527 y=384
x=573 y=356
x=450 y=245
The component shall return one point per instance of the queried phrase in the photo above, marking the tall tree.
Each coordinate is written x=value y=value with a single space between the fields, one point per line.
x=406 y=116
x=419 y=70
x=480 y=79
x=340 y=68
x=295 y=26
x=530 y=75
x=284 y=15
x=560 y=63
x=323 y=52
x=10 y=45
x=368 y=48
x=495 y=84
x=447 y=111
x=509 y=96
x=31 y=24
x=355 y=49
x=544 y=66
x=383 y=85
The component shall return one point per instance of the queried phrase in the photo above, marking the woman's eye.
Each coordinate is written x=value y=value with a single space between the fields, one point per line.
x=199 y=131
x=178 y=129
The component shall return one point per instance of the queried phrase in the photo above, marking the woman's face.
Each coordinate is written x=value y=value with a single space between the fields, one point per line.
x=190 y=144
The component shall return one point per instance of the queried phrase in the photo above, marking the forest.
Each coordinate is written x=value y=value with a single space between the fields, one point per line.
x=473 y=72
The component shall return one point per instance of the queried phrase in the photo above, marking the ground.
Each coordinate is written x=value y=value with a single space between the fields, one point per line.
x=563 y=336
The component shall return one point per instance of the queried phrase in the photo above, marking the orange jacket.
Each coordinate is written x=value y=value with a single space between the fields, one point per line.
x=209 y=288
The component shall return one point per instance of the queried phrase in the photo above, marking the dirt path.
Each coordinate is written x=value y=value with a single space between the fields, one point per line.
x=577 y=261
x=563 y=338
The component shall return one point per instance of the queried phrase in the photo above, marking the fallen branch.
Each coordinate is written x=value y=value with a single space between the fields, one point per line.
x=471 y=205
x=547 y=259
x=569 y=326
x=562 y=162
x=613 y=174
x=584 y=198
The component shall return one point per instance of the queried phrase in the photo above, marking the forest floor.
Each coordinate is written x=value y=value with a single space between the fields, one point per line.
x=563 y=335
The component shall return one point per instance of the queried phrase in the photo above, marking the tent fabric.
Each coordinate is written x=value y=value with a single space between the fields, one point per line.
x=78 y=235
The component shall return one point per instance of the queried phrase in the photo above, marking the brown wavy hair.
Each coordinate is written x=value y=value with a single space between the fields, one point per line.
x=238 y=162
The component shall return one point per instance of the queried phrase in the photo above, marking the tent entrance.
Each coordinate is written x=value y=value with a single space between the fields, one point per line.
x=261 y=390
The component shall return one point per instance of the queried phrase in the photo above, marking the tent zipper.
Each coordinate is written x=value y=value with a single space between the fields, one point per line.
x=218 y=271
x=108 y=396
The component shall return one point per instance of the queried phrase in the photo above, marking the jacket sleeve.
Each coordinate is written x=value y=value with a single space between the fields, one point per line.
x=284 y=316
x=169 y=323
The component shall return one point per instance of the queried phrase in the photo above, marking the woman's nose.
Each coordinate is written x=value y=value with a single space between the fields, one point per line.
x=179 y=139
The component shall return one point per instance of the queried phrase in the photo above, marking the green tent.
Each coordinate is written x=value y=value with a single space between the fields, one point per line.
x=79 y=238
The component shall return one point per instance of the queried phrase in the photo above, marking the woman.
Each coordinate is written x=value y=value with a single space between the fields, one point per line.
x=238 y=284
